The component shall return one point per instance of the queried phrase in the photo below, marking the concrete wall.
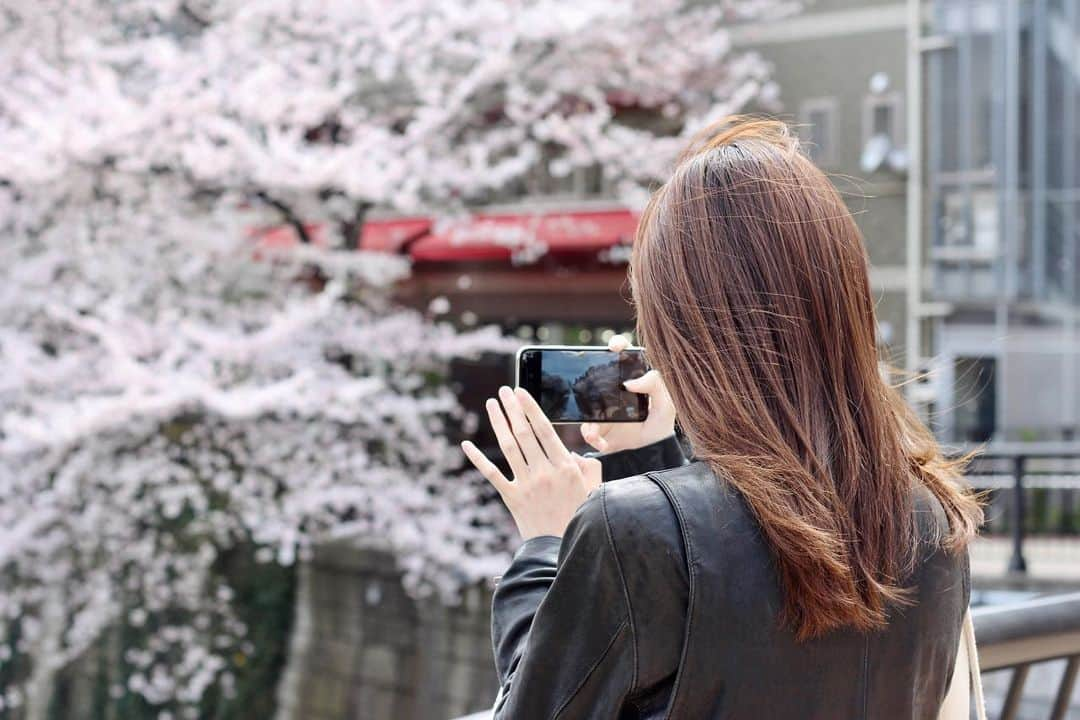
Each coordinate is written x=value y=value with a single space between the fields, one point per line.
x=363 y=649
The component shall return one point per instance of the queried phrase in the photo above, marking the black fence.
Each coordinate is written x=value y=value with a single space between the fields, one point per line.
x=1032 y=489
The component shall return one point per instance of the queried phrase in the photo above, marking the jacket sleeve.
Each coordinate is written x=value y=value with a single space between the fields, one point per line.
x=561 y=626
x=662 y=455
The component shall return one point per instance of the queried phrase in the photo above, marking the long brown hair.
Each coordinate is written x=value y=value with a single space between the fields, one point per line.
x=753 y=298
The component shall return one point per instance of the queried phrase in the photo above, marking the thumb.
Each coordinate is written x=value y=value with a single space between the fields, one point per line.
x=591 y=433
x=647 y=384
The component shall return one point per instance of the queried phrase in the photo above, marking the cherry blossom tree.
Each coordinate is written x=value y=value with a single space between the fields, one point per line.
x=170 y=389
x=167 y=398
x=323 y=111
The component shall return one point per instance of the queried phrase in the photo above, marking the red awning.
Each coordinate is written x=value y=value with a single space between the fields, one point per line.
x=378 y=235
x=505 y=236
x=283 y=236
x=393 y=235
x=484 y=236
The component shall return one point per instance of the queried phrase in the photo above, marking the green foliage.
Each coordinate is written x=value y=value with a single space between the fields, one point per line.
x=264 y=601
x=265 y=596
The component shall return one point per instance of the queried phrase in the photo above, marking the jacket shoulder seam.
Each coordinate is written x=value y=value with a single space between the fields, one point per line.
x=607 y=649
x=625 y=591
x=676 y=688
x=667 y=472
x=866 y=676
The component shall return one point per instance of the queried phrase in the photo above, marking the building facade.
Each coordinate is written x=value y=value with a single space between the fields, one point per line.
x=953 y=127
x=1002 y=196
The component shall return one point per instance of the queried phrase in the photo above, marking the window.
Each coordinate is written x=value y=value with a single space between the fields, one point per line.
x=975 y=397
x=883 y=117
x=817 y=118
x=973 y=225
x=883 y=134
x=882 y=120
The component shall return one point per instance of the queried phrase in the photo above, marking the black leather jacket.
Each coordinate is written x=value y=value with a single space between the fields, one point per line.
x=661 y=601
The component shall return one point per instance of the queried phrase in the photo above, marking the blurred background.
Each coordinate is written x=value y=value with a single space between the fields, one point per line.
x=262 y=261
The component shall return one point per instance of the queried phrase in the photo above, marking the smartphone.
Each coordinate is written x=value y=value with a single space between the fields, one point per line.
x=576 y=384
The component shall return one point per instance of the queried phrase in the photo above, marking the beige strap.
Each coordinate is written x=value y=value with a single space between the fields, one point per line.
x=973 y=667
x=966 y=685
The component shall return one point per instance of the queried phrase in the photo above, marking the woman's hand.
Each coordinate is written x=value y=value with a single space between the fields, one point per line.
x=550 y=482
x=612 y=437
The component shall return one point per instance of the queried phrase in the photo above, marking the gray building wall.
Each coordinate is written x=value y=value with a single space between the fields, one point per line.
x=825 y=56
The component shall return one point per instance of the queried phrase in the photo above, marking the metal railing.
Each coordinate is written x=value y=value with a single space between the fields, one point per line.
x=1022 y=468
x=1019 y=636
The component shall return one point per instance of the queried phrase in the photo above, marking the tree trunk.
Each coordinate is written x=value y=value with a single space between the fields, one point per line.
x=300 y=642
x=39 y=687
x=352 y=228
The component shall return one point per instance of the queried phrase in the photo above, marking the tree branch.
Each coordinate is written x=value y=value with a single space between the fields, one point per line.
x=352 y=228
x=287 y=214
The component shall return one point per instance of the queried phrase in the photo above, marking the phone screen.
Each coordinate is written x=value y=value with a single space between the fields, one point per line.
x=584 y=384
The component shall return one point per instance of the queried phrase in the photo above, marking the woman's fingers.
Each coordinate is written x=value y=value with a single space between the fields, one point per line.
x=618 y=343
x=486 y=467
x=647 y=384
x=547 y=489
x=519 y=425
x=593 y=434
x=652 y=384
x=505 y=437
x=553 y=445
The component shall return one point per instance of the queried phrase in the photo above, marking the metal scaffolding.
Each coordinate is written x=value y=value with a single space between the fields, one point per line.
x=995 y=190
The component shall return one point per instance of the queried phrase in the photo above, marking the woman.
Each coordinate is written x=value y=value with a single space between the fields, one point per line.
x=811 y=563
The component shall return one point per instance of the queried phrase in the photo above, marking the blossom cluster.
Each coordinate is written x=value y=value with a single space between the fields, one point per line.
x=169 y=395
